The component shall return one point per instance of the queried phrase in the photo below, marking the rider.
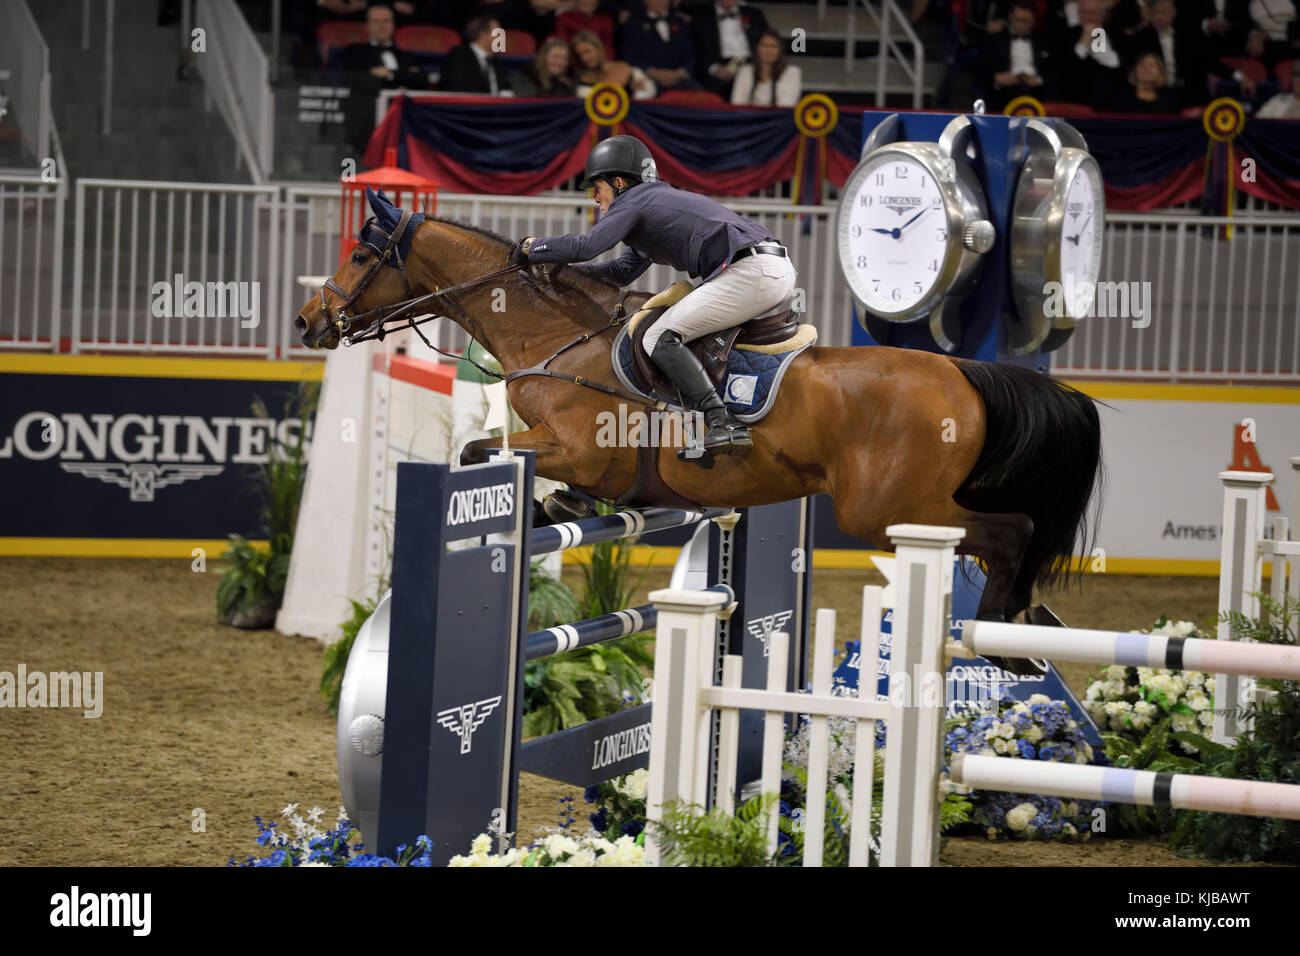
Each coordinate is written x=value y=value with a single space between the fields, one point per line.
x=746 y=272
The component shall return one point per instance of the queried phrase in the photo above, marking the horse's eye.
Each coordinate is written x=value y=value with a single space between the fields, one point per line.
x=358 y=257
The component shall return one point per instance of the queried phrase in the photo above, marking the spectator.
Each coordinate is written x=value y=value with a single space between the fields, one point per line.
x=1088 y=61
x=582 y=16
x=1182 y=52
x=545 y=15
x=547 y=75
x=769 y=80
x=591 y=68
x=1148 y=90
x=1224 y=24
x=472 y=66
x=379 y=59
x=659 y=43
x=1016 y=60
x=510 y=14
x=1284 y=105
x=373 y=66
x=1275 y=33
x=725 y=34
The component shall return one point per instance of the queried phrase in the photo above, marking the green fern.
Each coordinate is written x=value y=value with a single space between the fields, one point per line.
x=689 y=837
x=336 y=655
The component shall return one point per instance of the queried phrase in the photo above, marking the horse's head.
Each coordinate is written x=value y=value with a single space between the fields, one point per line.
x=373 y=275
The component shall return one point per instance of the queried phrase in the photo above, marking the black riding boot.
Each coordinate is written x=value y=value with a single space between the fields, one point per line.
x=725 y=436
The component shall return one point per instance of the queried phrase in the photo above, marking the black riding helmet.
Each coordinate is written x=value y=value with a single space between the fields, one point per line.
x=624 y=156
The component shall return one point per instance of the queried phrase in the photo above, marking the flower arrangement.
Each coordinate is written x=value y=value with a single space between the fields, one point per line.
x=1037 y=729
x=1131 y=701
x=312 y=846
x=557 y=849
x=620 y=804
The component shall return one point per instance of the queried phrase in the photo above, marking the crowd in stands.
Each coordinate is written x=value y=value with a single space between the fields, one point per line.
x=719 y=48
x=1134 y=56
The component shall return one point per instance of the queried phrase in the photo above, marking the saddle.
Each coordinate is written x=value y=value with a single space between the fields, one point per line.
x=712 y=349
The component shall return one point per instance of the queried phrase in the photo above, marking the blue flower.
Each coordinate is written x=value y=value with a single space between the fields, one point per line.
x=591 y=794
x=1026 y=749
x=633 y=827
x=599 y=821
x=784 y=845
x=784 y=809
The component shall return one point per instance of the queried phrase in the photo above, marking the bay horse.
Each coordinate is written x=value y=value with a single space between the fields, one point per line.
x=892 y=435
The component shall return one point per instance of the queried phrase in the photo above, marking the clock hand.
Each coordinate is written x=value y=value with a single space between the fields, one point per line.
x=1075 y=238
x=914 y=218
x=885 y=232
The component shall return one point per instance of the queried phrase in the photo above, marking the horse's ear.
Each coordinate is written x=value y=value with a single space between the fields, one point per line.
x=378 y=202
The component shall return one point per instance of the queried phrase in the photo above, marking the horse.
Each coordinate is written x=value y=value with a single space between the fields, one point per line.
x=892 y=435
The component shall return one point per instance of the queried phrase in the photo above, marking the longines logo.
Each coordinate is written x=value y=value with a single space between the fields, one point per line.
x=476 y=504
x=1074 y=209
x=763 y=627
x=143 y=453
x=467 y=718
x=900 y=204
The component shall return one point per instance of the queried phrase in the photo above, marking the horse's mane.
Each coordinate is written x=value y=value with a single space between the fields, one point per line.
x=585 y=271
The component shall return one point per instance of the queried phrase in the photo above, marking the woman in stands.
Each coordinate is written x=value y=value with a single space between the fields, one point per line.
x=1148 y=90
x=592 y=68
x=547 y=75
x=584 y=15
x=769 y=80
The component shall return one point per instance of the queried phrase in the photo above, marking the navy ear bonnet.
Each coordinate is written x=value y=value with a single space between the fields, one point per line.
x=385 y=218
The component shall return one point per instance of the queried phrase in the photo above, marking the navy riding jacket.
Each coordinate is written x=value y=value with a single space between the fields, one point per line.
x=661 y=224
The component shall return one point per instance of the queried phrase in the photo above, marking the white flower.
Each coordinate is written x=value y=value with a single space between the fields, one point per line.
x=557 y=845
x=289 y=809
x=1005 y=730
x=1023 y=708
x=584 y=857
x=314 y=814
x=1116 y=672
x=314 y=863
x=1020 y=817
x=1093 y=692
x=1184 y=722
x=482 y=845
x=1033 y=733
x=1181 y=629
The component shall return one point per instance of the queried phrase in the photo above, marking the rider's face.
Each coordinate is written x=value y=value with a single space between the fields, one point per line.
x=604 y=195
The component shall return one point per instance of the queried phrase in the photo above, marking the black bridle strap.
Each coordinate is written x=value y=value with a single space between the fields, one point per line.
x=392 y=244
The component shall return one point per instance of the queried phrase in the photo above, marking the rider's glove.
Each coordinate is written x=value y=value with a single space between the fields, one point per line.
x=518 y=254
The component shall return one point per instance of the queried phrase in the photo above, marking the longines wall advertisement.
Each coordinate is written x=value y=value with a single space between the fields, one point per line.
x=151 y=457
x=136 y=456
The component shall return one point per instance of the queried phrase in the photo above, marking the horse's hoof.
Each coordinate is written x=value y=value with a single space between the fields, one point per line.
x=562 y=506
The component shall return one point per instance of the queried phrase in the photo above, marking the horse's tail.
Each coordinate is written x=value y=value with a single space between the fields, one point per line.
x=1041 y=457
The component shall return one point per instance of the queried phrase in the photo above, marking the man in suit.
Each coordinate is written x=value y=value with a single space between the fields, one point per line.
x=1087 y=60
x=1016 y=60
x=725 y=33
x=472 y=67
x=659 y=42
x=1224 y=23
x=373 y=66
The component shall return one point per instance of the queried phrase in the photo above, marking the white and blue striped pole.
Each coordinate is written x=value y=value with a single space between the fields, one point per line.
x=621 y=524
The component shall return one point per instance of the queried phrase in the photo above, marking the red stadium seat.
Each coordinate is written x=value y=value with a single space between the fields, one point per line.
x=1068 y=110
x=1283 y=73
x=691 y=98
x=1251 y=68
x=426 y=39
x=337 y=34
x=519 y=43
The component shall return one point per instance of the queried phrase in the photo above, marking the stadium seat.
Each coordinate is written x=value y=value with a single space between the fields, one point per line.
x=1251 y=68
x=519 y=43
x=1068 y=110
x=337 y=34
x=420 y=39
x=1283 y=73
x=690 y=98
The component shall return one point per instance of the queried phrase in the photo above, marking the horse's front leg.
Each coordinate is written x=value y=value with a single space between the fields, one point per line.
x=552 y=461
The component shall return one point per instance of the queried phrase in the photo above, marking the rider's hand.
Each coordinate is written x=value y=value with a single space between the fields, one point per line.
x=518 y=254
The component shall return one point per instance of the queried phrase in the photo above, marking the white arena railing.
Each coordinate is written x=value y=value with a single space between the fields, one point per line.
x=236 y=76
x=1219 y=309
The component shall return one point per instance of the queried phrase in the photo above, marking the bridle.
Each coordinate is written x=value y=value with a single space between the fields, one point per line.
x=381 y=315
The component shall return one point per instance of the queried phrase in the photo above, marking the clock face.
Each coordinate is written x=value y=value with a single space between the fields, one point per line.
x=1082 y=229
x=893 y=232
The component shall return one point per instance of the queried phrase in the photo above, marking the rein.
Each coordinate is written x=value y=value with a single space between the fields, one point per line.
x=380 y=317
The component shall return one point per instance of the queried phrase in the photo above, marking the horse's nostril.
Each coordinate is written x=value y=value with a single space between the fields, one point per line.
x=300 y=324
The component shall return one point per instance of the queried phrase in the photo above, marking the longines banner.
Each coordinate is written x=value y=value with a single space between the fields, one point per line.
x=136 y=456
